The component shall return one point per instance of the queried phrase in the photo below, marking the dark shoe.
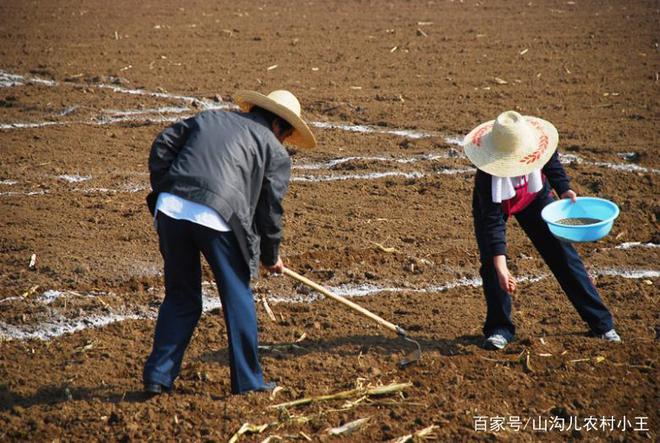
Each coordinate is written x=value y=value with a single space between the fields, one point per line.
x=155 y=388
x=267 y=387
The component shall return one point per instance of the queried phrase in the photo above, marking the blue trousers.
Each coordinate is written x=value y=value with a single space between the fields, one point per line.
x=564 y=262
x=181 y=242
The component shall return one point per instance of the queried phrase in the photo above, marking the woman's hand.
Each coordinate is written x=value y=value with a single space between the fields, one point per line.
x=570 y=194
x=506 y=280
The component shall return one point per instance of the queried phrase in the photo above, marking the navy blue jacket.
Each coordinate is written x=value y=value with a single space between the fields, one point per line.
x=490 y=219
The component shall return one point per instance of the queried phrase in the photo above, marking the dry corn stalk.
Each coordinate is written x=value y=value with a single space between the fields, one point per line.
x=280 y=348
x=380 y=390
x=268 y=310
x=389 y=250
x=422 y=434
x=275 y=391
x=349 y=427
x=524 y=360
x=30 y=291
x=248 y=428
x=596 y=359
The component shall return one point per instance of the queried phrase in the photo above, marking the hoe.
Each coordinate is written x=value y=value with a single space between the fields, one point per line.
x=412 y=357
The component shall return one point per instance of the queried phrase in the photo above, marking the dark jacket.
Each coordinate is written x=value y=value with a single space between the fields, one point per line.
x=230 y=162
x=489 y=217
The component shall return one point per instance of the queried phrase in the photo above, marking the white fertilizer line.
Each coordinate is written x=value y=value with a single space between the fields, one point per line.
x=60 y=325
x=378 y=175
x=74 y=178
x=412 y=134
x=42 y=81
x=569 y=159
x=23 y=193
x=20 y=125
x=368 y=176
x=129 y=189
x=363 y=290
x=636 y=244
x=402 y=160
x=146 y=119
x=368 y=129
x=152 y=116
x=628 y=155
x=303 y=178
x=51 y=295
x=8 y=80
x=628 y=273
x=475 y=282
x=625 y=167
x=134 y=112
x=454 y=140
x=452 y=171
x=204 y=103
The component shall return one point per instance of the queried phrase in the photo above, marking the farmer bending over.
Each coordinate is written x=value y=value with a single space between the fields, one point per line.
x=517 y=164
x=218 y=181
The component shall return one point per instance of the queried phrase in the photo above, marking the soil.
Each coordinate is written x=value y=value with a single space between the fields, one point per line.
x=98 y=81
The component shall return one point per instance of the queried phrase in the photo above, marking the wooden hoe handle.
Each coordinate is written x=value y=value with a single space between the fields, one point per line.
x=344 y=301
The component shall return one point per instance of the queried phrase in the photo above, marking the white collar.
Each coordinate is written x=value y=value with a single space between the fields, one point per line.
x=504 y=188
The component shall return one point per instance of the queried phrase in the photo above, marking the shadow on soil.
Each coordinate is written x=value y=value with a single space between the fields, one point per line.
x=353 y=345
x=344 y=346
x=50 y=395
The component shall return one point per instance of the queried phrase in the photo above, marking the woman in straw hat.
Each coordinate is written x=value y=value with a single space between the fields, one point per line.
x=517 y=167
x=218 y=181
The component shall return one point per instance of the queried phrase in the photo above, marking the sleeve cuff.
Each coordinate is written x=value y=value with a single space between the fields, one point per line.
x=498 y=249
x=269 y=255
x=562 y=187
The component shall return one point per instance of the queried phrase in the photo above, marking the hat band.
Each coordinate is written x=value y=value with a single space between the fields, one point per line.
x=544 y=141
x=476 y=139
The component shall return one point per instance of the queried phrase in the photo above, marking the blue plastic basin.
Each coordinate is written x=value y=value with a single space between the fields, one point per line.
x=584 y=207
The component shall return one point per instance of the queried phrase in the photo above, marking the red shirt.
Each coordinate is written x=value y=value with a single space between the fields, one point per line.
x=521 y=200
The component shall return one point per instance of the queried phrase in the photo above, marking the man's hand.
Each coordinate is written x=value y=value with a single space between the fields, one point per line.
x=506 y=280
x=570 y=194
x=277 y=268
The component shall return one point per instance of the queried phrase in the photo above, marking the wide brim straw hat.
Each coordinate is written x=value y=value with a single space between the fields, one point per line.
x=511 y=145
x=285 y=105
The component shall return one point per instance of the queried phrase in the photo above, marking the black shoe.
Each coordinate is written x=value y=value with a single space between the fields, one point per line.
x=155 y=388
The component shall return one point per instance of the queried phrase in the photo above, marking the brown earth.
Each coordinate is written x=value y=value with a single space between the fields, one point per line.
x=590 y=67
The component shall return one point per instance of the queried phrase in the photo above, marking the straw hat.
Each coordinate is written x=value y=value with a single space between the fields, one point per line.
x=283 y=104
x=511 y=145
